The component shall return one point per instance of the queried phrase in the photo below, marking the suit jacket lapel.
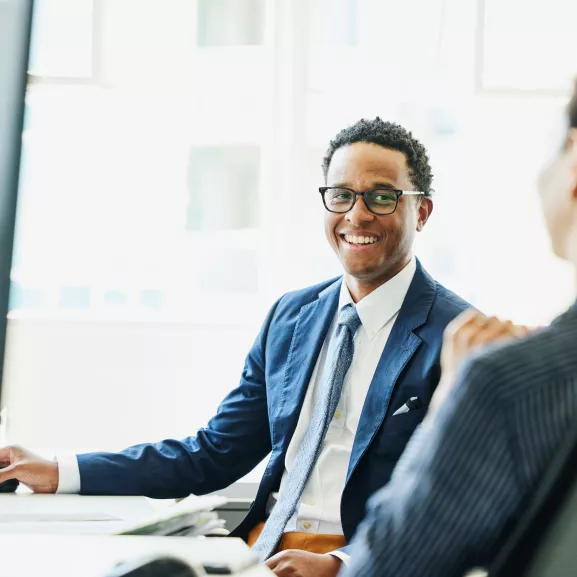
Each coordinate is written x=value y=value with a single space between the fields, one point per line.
x=401 y=345
x=310 y=332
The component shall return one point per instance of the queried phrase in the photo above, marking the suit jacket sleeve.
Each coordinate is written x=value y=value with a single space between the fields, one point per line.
x=236 y=439
x=451 y=494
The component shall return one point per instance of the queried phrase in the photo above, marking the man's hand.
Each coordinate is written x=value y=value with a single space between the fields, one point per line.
x=295 y=563
x=470 y=331
x=41 y=475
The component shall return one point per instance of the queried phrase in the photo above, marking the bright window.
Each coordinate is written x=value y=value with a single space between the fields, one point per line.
x=527 y=44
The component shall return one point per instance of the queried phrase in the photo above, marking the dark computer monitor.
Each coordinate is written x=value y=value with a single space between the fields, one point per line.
x=15 y=30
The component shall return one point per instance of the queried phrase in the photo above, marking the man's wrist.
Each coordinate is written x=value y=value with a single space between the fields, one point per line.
x=53 y=475
x=334 y=564
x=68 y=474
x=341 y=556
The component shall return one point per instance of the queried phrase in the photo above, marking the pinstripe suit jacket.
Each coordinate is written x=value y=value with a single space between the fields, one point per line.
x=464 y=478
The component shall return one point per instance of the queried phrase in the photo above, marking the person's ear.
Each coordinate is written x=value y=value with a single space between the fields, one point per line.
x=572 y=150
x=425 y=208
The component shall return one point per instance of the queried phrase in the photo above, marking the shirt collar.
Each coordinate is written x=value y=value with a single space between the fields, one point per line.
x=380 y=306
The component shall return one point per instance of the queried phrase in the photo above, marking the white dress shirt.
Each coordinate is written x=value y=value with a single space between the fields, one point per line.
x=320 y=506
x=319 y=509
x=68 y=474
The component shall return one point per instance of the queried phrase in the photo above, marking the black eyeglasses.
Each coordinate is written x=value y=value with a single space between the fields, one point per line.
x=379 y=201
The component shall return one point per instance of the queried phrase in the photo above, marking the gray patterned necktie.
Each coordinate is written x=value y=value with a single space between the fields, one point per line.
x=340 y=356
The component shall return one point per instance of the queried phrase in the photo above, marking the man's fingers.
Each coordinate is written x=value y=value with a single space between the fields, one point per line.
x=468 y=318
x=7 y=473
x=488 y=331
x=492 y=330
x=472 y=328
x=5 y=456
x=471 y=332
x=523 y=330
x=272 y=562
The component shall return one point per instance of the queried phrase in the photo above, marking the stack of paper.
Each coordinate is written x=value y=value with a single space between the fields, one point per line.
x=190 y=517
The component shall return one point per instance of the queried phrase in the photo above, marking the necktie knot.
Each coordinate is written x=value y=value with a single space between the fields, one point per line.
x=349 y=318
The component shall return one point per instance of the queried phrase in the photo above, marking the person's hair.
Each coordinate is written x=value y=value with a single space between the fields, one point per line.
x=573 y=109
x=388 y=135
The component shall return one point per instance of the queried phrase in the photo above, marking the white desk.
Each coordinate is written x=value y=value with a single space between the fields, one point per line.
x=69 y=514
x=66 y=541
x=94 y=556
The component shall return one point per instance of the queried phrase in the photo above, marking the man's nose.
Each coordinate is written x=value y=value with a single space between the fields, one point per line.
x=359 y=214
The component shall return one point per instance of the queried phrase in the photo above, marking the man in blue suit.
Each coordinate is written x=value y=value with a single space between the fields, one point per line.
x=333 y=387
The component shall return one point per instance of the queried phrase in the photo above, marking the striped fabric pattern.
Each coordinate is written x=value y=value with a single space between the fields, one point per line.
x=466 y=473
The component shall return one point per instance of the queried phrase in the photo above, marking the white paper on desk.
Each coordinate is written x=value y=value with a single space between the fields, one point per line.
x=191 y=516
x=47 y=517
x=25 y=512
x=62 y=528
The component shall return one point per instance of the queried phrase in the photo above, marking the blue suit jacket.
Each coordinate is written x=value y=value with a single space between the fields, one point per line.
x=259 y=416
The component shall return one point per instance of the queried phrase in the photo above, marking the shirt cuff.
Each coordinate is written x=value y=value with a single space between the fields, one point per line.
x=346 y=559
x=68 y=474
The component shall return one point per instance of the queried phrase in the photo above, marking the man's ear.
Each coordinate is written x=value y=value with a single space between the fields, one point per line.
x=425 y=209
x=572 y=150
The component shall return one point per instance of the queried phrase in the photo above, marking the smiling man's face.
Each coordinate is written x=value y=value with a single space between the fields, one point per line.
x=373 y=248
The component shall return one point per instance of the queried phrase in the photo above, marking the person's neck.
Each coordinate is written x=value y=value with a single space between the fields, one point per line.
x=360 y=288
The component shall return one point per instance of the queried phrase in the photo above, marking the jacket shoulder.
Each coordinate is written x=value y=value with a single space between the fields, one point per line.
x=288 y=307
x=301 y=297
x=447 y=302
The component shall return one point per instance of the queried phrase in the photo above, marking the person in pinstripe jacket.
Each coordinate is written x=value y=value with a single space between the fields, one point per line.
x=492 y=429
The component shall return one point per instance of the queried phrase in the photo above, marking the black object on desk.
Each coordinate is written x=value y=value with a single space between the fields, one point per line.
x=9 y=486
x=153 y=567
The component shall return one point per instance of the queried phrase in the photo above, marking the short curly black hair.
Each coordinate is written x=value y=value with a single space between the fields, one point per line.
x=389 y=135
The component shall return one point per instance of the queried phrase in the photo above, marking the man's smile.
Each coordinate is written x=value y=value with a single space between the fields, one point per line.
x=359 y=241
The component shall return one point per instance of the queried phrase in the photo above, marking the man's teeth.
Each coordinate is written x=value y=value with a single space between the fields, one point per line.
x=360 y=239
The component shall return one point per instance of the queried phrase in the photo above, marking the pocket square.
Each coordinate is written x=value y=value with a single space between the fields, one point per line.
x=412 y=404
